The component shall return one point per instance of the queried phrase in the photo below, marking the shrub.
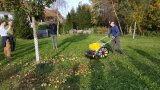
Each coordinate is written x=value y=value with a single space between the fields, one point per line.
x=42 y=27
x=151 y=33
x=21 y=25
x=100 y=30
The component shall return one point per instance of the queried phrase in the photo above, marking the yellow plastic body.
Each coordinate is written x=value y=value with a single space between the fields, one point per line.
x=95 y=46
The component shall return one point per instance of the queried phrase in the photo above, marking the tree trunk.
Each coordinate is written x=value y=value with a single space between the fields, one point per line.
x=127 y=29
x=57 y=23
x=35 y=41
x=139 y=28
x=117 y=17
x=130 y=30
x=134 y=30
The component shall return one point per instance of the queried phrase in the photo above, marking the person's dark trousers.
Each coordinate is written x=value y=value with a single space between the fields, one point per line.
x=13 y=43
x=116 y=41
x=54 y=41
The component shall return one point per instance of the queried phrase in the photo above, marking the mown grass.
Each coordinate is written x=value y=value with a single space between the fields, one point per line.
x=67 y=67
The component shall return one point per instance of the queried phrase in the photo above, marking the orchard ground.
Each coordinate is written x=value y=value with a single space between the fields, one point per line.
x=67 y=67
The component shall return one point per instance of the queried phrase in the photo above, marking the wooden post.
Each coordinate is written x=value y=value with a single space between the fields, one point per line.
x=134 y=30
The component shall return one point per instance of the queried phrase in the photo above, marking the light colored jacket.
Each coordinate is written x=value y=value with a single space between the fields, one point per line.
x=4 y=31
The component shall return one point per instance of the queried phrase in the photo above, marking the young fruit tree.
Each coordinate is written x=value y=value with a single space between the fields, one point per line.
x=35 y=8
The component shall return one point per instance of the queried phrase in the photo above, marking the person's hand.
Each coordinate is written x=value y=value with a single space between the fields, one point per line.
x=10 y=23
x=106 y=36
x=113 y=37
x=109 y=22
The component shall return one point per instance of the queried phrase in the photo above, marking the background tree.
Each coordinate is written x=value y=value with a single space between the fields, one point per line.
x=59 y=5
x=22 y=25
x=81 y=18
x=33 y=9
x=144 y=12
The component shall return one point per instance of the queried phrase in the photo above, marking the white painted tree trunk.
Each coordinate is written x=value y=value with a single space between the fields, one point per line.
x=57 y=23
x=135 y=27
x=35 y=41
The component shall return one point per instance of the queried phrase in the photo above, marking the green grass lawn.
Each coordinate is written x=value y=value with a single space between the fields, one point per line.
x=67 y=67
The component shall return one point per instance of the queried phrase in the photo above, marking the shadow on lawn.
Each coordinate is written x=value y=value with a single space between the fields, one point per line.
x=27 y=49
x=146 y=71
x=72 y=81
x=148 y=56
x=1 y=53
x=68 y=41
x=24 y=50
x=121 y=78
x=9 y=73
x=1 y=56
x=116 y=77
x=97 y=75
x=37 y=79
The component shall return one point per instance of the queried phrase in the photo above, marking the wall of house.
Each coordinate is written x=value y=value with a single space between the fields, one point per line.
x=2 y=14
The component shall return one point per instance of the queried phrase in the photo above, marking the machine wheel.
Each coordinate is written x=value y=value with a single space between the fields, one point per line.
x=97 y=57
x=103 y=52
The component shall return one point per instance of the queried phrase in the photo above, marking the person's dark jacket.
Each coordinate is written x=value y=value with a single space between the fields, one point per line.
x=114 y=31
x=53 y=29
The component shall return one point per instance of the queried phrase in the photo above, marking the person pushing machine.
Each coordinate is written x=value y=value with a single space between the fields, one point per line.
x=114 y=31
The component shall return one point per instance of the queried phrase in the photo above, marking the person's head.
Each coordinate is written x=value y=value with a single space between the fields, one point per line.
x=112 y=23
x=9 y=23
x=2 y=22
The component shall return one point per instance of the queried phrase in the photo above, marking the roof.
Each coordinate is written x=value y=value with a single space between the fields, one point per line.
x=4 y=12
x=53 y=13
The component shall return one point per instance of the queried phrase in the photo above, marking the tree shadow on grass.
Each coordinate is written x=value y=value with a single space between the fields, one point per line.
x=68 y=41
x=97 y=75
x=148 y=56
x=1 y=56
x=24 y=50
x=27 y=48
x=147 y=71
x=121 y=78
x=37 y=78
x=1 y=53
x=7 y=74
x=72 y=81
x=11 y=73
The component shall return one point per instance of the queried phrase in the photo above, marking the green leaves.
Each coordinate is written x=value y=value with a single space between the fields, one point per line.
x=81 y=18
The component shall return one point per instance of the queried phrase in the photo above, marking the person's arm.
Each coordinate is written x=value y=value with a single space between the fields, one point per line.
x=4 y=30
x=0 y=32
x=117 y=32
x=8 y=29
x=109 y=34
x=55 y=29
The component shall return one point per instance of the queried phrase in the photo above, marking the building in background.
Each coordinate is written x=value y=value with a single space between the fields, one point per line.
x=4 y=14
x=53 y=14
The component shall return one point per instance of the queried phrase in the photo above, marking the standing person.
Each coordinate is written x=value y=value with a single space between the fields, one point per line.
x=6 y=38
x=12 y=38
x=114 y=31
x=53 y=34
